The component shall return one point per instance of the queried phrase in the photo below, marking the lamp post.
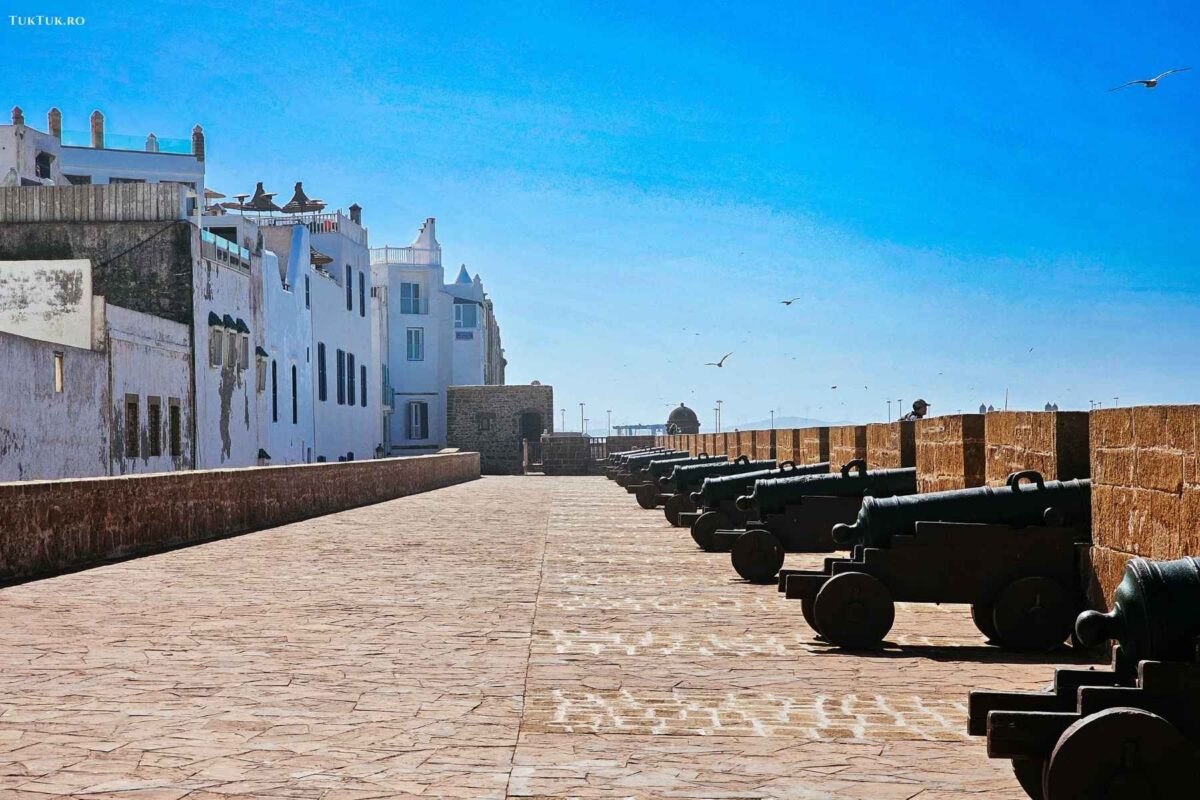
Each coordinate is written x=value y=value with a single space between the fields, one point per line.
x=563 y=427
x=889 y=402
x=581 y=417
x=772 y=419
x=609 y=412
x=716 y=419
x=719 y=415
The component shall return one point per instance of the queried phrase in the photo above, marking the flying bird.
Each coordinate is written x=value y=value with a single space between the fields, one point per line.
x=834 y=386
x=789 y=302
x=720 y=363
x=1150 y=83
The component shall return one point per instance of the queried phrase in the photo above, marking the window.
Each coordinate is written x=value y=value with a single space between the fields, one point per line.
x=231 y=355
x=175 y=427
x=349 y=288
x=362 y=375
x=416 y=344
x=216 y=342
x=418 y=420
x=410 y=298
x=154 y=424
x=274 y=391
x=260 y=373
x=341 y=377
x=41 y=164
x=295 y=406
x=322 y=393
x=362 y=294
x=131 y=426
x=466 y=315
x=79 y=180
x=126 y=180
x=484 y=420
x=307 y=292
x=58 y=372
x=244 y=351
x=350 y=392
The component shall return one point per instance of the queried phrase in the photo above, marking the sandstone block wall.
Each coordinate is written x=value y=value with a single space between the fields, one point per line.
x=566 y=455
x=1145 y=490
x=891 y=445
x=1055 y=443
x=764 y=445
x=811 y=446
x=617 y=444
x=950 y=452
x=846 y=443
x=50 y=527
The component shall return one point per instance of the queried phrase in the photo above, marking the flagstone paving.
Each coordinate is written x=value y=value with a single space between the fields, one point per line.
x=511 y=637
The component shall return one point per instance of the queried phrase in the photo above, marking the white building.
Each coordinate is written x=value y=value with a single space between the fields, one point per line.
x=437 y=335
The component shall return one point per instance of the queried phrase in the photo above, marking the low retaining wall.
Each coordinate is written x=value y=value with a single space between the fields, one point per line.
x=49 y=527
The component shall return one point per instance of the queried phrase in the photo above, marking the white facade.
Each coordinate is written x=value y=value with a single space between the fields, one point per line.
x=436 y=336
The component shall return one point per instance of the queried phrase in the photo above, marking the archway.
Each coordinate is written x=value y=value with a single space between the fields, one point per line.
x=532 y=426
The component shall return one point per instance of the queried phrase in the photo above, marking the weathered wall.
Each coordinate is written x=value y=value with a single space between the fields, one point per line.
x=143 y=266
x=812 y=446
x=846 y=443
x=891 y=445
x=48 y=300
x=950 y=452
x=487 y=420
x=47 y=434
x=149 y=357
x=1145 y=489
x=1055 y=443
x=47 y=527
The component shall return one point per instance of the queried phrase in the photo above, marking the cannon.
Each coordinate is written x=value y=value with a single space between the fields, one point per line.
x=616 y=460
x=718 y=497
x=1131 y=730
x=684 y=480
x=632 y=467
x=651 y=493
x=1011 y=552
x=812 y=507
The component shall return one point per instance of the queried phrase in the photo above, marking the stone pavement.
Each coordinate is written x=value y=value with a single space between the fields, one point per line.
x=511 y=637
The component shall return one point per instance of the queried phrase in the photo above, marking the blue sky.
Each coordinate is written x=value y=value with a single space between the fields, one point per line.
x=945 y=186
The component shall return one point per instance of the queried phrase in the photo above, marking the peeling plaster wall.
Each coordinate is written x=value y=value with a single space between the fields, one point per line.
x=148 y=357
x=47 y=300
x=47 y=434
x=226 y=400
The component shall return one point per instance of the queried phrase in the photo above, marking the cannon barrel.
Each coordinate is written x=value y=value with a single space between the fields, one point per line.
x=719 y=488
x=1038 y=502
x=616 y=456
x=683 y=479
x=659 y=469
x=642 y=460
x=1155 y=613
x=623 y=458
x=773 y=495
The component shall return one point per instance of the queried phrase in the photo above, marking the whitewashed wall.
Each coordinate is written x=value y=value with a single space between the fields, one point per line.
x=48 y=300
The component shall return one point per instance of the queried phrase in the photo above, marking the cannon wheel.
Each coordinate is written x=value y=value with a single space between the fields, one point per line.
x=706 y=525
x=1034 y=614
x=981 y=615
x=854 y=610
x=646 y=494
x=757 y=556
x=1119 y=752
x=806 y=608
x=676 y=504
x=1030 y=773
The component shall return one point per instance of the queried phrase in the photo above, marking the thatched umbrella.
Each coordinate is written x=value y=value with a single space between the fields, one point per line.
x=301 y=202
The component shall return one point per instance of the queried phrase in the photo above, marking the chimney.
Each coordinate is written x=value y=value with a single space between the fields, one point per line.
x=54 y=123
x=356 y=214
x=97 y=120
x=151 y=143
x=18 y=118
x=198 y=143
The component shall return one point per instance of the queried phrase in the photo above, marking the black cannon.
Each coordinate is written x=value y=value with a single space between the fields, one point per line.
x=632 y=468
x=718 y=497
x=617 y=460
x=1132 y=730
x=812 y=507
x=1011 y=552
x=651 y=494
x=685 y=480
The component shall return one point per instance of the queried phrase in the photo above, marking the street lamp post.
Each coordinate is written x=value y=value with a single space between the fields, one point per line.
x=719 y=415
x=609 y=412
x=889 y=402
x=772 y=419
x=563 y=425
x=581 y=417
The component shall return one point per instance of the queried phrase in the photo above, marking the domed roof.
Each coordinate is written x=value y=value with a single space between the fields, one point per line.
x=683 y=416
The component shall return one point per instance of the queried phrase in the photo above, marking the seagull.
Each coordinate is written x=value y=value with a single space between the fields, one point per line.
x=834 y=386
x=720 y=363
x=789 y=302
x=1150 y=83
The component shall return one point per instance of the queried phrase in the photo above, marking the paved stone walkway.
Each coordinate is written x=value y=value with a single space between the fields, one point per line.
x=513 y=637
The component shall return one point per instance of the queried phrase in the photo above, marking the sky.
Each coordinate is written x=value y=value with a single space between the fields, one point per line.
x=962 y=208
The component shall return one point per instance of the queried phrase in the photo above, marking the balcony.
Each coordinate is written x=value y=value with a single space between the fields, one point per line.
x=406 y=256
x=321 y=223
x=219 y=249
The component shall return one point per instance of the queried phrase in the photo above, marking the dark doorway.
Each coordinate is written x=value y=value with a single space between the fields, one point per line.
x=531 y=426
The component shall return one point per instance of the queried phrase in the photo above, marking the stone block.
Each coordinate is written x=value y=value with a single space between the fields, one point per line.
x=890 y=445
x=813 y=446
x=950 y=452
x=1055 y=443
